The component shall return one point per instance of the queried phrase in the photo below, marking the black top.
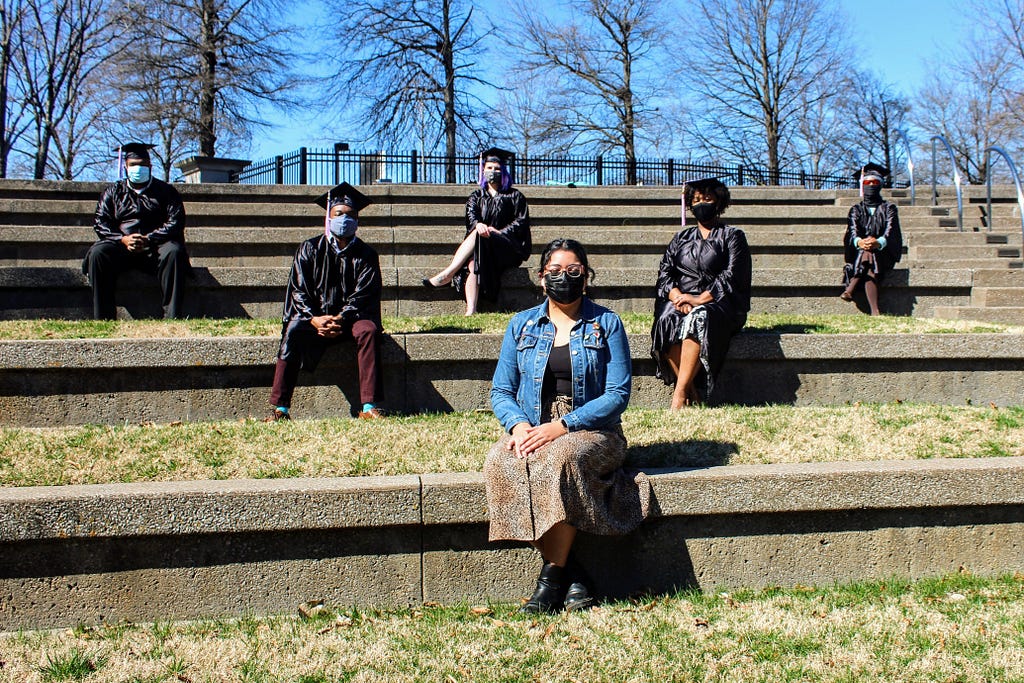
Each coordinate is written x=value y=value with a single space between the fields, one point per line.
x=558 y=374
x=884 y=221
x=157 y=212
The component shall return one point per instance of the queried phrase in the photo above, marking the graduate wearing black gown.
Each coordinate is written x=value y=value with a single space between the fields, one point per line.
x=873 y=243
x=497 y=234
x=140 y=225
x=702 y=298
x=334 y=292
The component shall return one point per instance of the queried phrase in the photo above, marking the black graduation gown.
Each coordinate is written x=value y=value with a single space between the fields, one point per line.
x=324 y=281
x=508 y=212
x=861 y=223
x=156 y=212
x=719 y=264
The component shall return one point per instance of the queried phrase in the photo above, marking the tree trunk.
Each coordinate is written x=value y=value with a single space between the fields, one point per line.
x=208 y=81
x=448 y=59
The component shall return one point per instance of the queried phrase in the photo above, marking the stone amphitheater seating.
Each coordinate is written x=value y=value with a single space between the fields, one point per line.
x=241 y=239
x=159 y=551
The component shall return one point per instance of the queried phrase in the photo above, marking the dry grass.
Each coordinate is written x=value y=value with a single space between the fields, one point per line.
x=489 y=323
x=458 y=442
x=959 y=628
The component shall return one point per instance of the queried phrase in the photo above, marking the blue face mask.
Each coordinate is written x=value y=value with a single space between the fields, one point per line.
x=138 y=174
x=343 y=226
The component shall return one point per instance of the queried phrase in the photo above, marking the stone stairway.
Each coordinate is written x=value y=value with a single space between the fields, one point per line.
x=242 y=238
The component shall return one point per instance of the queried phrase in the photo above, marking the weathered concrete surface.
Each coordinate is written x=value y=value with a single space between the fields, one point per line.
x=84 y=554
x=51 y=383
x=259 y=291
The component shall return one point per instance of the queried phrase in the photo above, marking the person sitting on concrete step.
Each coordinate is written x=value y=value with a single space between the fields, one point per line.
x=702 y=295
x=497 y=234
x=873 y=243
x=140 y=222
x=333 y=294
x=563 y=379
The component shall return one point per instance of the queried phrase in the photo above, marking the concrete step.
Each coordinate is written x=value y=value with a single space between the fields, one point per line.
x=52 y=383
x=997 y=297
x=978 y=264
x=1003 y=315
x=963 y=251
x=259 y=292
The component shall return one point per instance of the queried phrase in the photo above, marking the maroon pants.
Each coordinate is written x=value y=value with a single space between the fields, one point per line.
x=367 y=337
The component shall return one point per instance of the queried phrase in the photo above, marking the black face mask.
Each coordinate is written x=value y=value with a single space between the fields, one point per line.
x=872 y=194
x=704 y=212
x=564 y=289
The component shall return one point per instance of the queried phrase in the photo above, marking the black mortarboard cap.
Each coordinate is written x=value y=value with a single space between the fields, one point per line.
x=870 y=168
x=704 y=184
x=138 y=150
x=502 y=155
x=344 y=194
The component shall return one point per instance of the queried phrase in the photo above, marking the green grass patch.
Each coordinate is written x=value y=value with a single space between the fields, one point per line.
x=958 y=627
x=458 y=442
x=482 y=323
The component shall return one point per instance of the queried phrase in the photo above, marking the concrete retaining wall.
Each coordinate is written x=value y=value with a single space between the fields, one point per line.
x=83 y=554
x=52 y=383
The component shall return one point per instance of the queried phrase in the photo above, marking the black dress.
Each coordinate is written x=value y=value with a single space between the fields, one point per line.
x=719 y=264
x=883 y=222
x=508 y=212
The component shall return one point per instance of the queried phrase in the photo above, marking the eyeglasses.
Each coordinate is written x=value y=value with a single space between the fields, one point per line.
x=573 y=270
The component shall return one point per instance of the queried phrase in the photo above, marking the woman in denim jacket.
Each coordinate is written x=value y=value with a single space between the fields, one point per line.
x=562 y=382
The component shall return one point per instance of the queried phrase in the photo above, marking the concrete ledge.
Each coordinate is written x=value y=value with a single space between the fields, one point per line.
x=52 y=383
x=259 y=291
x=189 y=550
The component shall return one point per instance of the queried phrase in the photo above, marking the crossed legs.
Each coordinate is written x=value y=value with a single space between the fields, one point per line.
x=684 y=359
x=463 y=257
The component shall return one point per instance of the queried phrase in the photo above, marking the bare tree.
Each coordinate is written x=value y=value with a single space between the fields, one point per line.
x=754 y=67
x=605 y=55
x=11 y=13
x=414 y=68
x=62 y=45
x=229 y=57
x=524 y=123
x=154 y=105
x=875 y=111
x=970 y=112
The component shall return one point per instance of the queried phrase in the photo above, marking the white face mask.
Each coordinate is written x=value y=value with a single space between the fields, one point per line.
x=138 y=174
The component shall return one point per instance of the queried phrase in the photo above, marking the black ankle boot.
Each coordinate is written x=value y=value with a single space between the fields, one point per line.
x=579 y=595
x=550 y=591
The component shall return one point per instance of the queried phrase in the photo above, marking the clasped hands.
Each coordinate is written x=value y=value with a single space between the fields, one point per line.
x=684 y=303
x=135 y=242
x=328 y=326
x=526 y=439
x=868 y=244
x=484 y=230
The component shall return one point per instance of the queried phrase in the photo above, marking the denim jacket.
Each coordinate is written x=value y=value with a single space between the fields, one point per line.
x=602 y=371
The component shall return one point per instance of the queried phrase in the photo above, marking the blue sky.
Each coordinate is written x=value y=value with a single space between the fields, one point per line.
x=900 y=38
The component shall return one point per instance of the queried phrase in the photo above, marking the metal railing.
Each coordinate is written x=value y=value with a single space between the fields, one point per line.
x=331 y=166
x=901 y=136
x=988 y=184
x=956 y=181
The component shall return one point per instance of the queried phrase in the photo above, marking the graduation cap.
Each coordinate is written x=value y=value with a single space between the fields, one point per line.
x=496 y=154
x=708 y=185
x=703 y=185
x=134 y=150
x=343 y=194
x=871 y=169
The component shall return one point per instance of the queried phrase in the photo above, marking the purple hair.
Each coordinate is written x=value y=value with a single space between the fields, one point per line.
x=506 y=177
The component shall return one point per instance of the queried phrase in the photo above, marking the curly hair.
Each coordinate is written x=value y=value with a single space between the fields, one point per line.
x=715 y=188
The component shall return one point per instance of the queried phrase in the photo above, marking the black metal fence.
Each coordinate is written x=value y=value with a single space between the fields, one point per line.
x=332 y=166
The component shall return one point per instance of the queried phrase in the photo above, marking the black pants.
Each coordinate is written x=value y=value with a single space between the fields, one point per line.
x=106 y=261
